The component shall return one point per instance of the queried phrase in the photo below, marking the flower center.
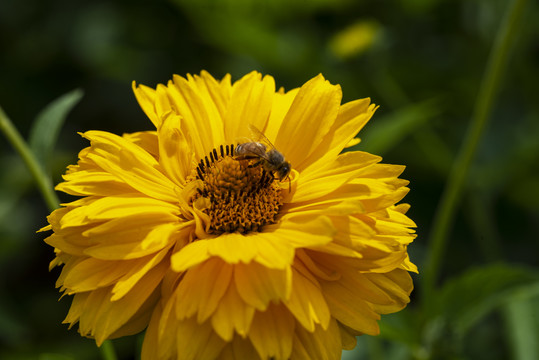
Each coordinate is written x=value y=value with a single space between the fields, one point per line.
x=242 y=195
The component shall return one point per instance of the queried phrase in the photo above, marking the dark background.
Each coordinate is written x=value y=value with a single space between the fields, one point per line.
x=422 y=61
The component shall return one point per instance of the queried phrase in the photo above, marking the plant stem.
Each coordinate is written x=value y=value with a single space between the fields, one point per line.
x=107 y=351
x=43 y=181
x=453 y=191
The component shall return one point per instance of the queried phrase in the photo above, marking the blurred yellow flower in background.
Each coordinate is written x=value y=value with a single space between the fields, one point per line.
x=355 y=39
x=215 y=253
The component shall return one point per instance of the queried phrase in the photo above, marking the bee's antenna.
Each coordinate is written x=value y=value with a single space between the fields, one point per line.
x=289 y=184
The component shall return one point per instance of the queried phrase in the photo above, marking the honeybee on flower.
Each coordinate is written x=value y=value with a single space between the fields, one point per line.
x=268 y=156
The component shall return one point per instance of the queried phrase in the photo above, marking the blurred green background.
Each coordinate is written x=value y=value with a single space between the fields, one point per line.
x=422 y=61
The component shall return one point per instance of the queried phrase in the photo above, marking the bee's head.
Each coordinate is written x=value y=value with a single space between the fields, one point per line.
x=284 y=170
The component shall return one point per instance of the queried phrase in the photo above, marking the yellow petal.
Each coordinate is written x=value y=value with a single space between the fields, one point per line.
x=239 y=349
x=258 y=285
x=133 y=244
x=131 y=164
x=200 y=298
x=399 y=217
x=328 y=178
x=348 y=339
x=281 y=104
x=350 y=120
x=135 y=273
x=274 y=247
x=307 y=302
x=139 y=220
x=113 y=207
x=318 y=345
x=349 y=309
x=383 y=172
x=68 y=247
x=272 y=333
x=320 y=271
x=201 y=118
x=196 y=341
x=408 y=265
x=298 y=230
x=397 y=284
x=369 y=195
x=273 y=250
x=102 y=317
x=165 y=328
x=189 y=256
x=146 y=99
x=250 y=103
x=77 y=306
x=352 y=230
x=390 y=228
x=175 y=155
x=370 y=259
x=233 y=247
x=352 y=142
x=93 y=182
x=139 y=321
x=380 y=261
x=145 y=139
x=373 y=204
x=359 y=286
x=151 y=337
x=338 y=250
x=211 y=90
x=232 y=315
x=401 y=208
x=163 y=103
x=308 y=120
x=90 y=274
x=325 y=207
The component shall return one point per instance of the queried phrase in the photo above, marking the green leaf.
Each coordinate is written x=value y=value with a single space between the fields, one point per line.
x=403 y=327
x=55 y=357
x=501 y=170
x=382 y=135
x=47 y=125
x=522 y=319
x=467 y=299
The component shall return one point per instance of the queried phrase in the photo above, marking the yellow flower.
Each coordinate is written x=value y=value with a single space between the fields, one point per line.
x=214 y=251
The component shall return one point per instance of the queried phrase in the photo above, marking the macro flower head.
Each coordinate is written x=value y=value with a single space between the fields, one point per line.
x=237 y=228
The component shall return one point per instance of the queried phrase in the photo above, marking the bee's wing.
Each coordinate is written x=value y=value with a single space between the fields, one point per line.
x=243 y=139
x=260 y=137
x=255 y=154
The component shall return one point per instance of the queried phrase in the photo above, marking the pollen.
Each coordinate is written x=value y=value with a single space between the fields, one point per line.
x=243 y=196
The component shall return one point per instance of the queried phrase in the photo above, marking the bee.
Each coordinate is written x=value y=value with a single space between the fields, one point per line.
x=272 y=160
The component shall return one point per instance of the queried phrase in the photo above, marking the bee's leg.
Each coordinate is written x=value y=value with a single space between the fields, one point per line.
x=255 y=164
x=272 y=177
x=268 y=177
x=263 y=179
